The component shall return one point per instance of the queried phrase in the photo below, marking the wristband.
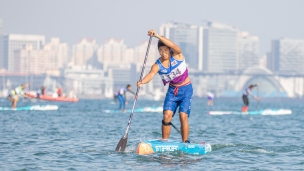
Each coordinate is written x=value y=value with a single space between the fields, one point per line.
x=156 y=35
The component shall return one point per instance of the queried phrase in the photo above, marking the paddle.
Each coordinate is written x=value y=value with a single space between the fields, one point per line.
x=175 y=127
x=258 y=97
x=121 y=146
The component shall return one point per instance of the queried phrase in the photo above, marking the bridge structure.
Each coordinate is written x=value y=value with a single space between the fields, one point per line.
x=232 y=84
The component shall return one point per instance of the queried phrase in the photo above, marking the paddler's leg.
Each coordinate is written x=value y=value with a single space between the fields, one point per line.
x=170 y=105
x=185 y=110
x=120 y=99
x=246 y=103
x=166 y=124
x=14 y=103
x=123 y=104
x=184 y=125
x=11 y=99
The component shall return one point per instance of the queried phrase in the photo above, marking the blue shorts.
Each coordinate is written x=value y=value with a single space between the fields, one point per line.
x=182 y=99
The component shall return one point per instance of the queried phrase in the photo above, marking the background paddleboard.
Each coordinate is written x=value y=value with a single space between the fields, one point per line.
x=168 y=146
x=34 y=107
x=257 y=112
x=137 y=110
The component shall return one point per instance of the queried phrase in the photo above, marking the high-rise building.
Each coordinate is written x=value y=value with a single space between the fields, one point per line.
x=129 y=55
x=153 y=55
x=270 y=60
x=164 y=29
x=122 y=75
x=220 y=48
x=59 y=53
x=287 y=56
x=140 y=53
x=15 y=42
x=248 y=50
x=28 y=60
x=214 y=46
x=113 y=51
x=1 y=47
x=83 y=51
x=0 y=26
x=51 y=57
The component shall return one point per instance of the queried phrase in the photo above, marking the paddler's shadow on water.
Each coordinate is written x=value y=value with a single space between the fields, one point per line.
x=172 y=159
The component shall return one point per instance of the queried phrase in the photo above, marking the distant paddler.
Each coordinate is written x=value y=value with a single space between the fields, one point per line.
x=246 y=93
x=122 y=97
x=210 y=97
x=13 y=95
x=172 y=68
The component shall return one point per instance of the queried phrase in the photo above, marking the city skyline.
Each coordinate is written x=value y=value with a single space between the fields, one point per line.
x=200 y=46
x=130 y=20
x=214 y=47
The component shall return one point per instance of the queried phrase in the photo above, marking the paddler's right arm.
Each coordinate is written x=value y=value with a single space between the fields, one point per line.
x=249 y=92
x=149 y=76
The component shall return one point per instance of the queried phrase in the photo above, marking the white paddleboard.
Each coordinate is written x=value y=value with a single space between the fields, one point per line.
x=257 y=112
x=34 y=107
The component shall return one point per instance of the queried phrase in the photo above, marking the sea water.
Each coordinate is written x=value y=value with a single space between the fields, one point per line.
x=78 y=136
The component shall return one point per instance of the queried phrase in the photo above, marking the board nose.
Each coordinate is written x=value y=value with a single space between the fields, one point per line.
x=144 y=148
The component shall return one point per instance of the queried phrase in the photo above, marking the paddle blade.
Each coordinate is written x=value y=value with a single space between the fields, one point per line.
x=121 y=146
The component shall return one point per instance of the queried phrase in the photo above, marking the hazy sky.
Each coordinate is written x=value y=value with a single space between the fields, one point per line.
x=71 y=20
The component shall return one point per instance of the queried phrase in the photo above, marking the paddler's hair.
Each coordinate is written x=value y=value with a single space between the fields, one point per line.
x=128 y=85
x=160 y=43
x=252 y=85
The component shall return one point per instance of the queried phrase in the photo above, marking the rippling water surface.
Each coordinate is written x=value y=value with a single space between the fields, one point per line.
x=80 y=137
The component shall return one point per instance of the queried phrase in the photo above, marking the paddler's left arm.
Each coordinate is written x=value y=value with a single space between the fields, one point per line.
x=131 y=92
x=125 y=96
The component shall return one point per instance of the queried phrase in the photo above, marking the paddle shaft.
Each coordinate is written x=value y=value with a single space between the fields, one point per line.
x=258 y=98
x=121 y=146
x=175 y=127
